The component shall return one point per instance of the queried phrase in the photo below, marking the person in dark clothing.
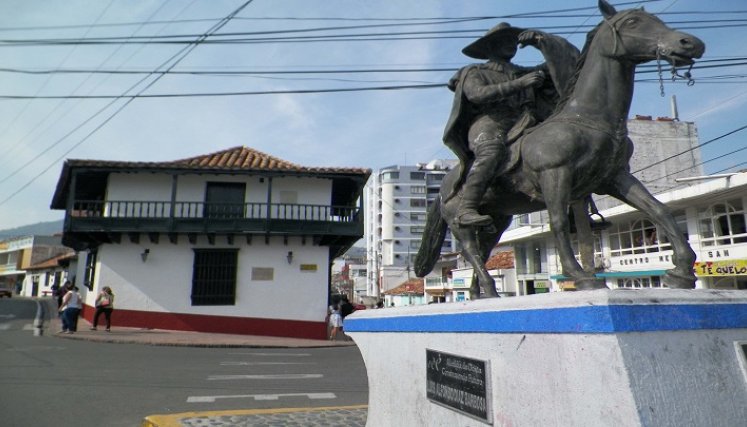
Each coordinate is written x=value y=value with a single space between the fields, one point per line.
x=346 y=307
x=104 y=304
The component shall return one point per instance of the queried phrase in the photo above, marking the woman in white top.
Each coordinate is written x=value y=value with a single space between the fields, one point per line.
x=335 y=321
x=71 y=305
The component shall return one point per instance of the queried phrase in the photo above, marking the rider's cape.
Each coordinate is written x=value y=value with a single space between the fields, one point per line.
x=560 y=57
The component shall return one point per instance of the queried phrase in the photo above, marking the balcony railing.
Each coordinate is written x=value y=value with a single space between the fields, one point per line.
x=164 y=216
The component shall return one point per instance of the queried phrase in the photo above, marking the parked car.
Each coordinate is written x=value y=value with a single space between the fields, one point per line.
x=5 y=291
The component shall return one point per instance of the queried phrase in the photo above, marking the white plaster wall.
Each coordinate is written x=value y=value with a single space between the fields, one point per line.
x=139 y=187
x=157 y=187
x=163 y=283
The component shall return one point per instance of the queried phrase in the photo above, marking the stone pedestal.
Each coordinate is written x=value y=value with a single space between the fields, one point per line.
x=595 y=358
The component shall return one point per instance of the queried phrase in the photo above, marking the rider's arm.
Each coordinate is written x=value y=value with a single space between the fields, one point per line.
x=478 y=91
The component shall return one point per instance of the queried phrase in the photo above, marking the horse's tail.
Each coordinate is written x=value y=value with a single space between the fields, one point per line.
x=434 y=235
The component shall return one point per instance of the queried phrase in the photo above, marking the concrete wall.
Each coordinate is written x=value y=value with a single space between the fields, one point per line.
x=596 y=358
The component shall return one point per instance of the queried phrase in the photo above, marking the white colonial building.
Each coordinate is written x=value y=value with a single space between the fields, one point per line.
x=235 y=241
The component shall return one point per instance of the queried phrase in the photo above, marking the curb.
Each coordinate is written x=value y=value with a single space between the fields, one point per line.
x=81 y=337
x=245 y=416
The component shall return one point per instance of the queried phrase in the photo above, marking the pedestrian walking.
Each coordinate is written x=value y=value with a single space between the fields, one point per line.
x=70 y=309
x=104 y=304
x=335 y=321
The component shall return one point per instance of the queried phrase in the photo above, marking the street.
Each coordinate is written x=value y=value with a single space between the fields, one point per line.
x=50 y=381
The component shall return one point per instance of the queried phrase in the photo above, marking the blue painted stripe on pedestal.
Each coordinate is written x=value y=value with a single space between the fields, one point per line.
x=582 y=320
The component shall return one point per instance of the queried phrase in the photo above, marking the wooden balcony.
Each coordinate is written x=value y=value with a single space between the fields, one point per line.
x=213 y=218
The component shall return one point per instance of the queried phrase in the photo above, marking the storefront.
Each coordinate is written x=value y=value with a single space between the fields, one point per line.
x=723 y=274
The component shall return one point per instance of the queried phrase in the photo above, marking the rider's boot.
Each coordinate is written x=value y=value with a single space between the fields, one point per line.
x=473 y=190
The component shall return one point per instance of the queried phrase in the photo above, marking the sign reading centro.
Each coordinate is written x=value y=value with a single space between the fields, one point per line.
x=735 y=267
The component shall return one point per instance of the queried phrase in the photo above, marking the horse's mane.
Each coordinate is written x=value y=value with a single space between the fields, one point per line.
x=571 y=83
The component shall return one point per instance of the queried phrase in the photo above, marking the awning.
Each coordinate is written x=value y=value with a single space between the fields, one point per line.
x=641 y=273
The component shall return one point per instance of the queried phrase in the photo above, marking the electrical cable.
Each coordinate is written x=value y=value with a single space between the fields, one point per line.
x=173 y=61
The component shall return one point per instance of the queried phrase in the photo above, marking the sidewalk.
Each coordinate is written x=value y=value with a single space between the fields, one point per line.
x=164 y=337
x=346 y=416
x=189 y=339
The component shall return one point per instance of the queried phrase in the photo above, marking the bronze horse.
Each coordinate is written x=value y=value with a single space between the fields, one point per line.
x=583 y=148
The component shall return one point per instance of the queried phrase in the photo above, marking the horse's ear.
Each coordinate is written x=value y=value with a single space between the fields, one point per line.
x=607 y=9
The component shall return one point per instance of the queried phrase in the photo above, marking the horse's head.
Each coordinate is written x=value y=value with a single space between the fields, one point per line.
x=639 y=36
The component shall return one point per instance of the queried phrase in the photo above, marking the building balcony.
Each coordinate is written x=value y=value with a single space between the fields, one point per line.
x=119 y=216
x=436 y=283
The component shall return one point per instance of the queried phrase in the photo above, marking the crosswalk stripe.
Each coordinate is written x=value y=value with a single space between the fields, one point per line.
x=265 y=377
x=211 y=399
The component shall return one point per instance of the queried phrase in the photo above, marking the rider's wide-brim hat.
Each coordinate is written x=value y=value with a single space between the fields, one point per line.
x=482 y=47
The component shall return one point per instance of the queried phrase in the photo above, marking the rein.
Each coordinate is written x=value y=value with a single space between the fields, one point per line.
x=675 y=75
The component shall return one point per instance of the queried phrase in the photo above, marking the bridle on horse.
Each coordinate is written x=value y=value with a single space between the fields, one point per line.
x=660 y=52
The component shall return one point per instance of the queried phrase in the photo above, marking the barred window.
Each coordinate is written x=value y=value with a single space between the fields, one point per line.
x=214 y=277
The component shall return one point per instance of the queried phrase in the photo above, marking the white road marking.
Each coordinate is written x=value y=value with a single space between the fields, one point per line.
x=275 y=354
x=211 y=399
x=36 y=348
x=4 y=326
x=262 y=363
x=264 y=377
x=8 y=316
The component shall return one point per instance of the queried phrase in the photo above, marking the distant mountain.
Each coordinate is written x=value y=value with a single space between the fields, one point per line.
x=40 y=228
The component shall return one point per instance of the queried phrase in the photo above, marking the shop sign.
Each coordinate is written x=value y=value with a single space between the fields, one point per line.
x=540 y=284
x=735 y=267
x=458 y=383
x=459 y=283
x=308 y=267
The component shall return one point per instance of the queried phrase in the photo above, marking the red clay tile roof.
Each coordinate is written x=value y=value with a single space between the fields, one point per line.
x=239 y=159
x=236 y=158
x=51 y=262
x=501 y=261
x=410 y=287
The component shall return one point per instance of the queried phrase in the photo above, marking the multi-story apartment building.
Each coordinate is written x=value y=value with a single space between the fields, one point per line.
x=397 y=199
x=633 y=253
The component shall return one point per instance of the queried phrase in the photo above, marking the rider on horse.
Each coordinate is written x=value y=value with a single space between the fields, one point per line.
x=495 y=102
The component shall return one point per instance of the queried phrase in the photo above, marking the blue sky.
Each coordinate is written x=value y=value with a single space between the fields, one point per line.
x=360 y=128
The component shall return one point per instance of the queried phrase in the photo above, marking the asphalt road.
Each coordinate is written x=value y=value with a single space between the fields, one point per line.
x=47 y=381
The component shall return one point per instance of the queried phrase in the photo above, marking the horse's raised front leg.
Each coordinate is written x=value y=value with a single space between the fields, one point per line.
x=556 y=188
x=631 y=191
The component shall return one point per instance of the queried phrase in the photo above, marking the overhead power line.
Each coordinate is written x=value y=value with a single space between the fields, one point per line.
x=170 y=63
x=216 y=94
x=642 y=69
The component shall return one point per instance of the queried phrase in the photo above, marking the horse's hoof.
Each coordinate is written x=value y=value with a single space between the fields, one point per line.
x=589 y=283
x=674 y=280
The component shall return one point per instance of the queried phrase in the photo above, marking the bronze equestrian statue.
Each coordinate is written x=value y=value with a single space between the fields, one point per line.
x=580 y=149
